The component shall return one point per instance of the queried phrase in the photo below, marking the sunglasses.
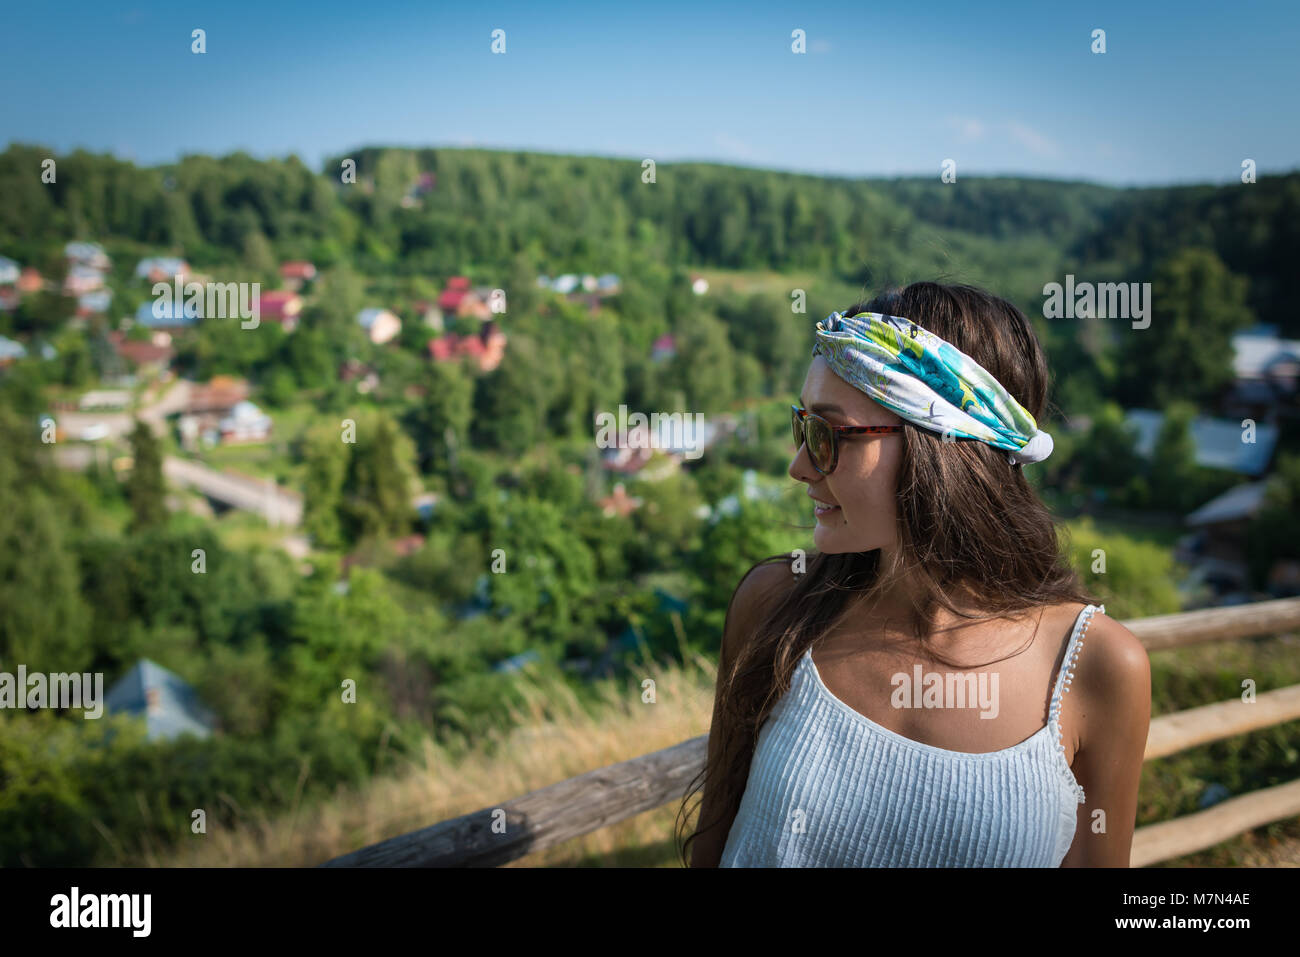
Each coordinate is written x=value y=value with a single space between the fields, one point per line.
x=821 y=437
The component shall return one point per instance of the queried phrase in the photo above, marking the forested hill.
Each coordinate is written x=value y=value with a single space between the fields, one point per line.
x=444 y=211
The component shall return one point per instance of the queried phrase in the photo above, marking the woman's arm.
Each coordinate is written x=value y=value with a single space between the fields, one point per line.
x=1113 y=681
x=754 y=592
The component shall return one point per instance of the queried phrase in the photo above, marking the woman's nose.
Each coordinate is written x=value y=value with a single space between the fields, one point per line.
x=800 y=466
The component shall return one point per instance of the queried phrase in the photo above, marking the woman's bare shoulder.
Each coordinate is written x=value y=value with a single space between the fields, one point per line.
x=1113 y=672
x=757 y=594
x=1116 y=650
x=764 y=584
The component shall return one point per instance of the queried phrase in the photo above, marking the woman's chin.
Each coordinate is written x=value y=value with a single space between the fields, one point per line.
x=835 y=540
x=828 y=541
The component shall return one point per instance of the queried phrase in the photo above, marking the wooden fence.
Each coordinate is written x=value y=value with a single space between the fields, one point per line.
x=586 y=803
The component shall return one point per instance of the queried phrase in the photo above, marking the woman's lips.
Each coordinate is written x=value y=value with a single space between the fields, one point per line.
x=821 y=510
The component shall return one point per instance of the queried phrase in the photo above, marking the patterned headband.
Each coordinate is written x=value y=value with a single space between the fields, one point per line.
x=927 y=381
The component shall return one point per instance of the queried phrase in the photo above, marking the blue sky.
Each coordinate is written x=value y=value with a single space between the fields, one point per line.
x=1183 y=93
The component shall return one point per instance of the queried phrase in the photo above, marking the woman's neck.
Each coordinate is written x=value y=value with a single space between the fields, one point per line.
x=899 y=595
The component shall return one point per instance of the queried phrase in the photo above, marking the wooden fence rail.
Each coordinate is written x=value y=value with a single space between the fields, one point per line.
x=588 y=802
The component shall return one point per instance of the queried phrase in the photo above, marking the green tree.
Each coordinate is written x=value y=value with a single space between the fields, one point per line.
x=1131 y=578
x=704 y=368
x=43 y=619
x=1106 y=458
x=259 y=257
x=1175 y=478
x=1196 y=305
x=145 y=488
x=549 y=573
x=380 y=480
x=44 y=312
x=326 y=456
x=441 y=421
x=1275 y=529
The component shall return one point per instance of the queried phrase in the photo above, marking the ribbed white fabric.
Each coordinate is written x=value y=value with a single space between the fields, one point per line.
x=829 y=787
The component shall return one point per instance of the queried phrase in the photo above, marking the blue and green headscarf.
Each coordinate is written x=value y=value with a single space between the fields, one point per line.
x=928 y=382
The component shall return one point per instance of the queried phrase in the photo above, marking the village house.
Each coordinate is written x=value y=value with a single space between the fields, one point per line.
x=150 y=357
x=632 y=457
x=586 y=288
x=100 y=399
x=354 y=370
x=30 y=281
x=280 y=306
x=380 y=324
x=1218 y=442
x=90 y=255
x=246 y=423
x=1266 y=374
x=82 y=279
x=162 y=269
x=296 y=272
x=459 y=300
x=664 y=348
x=487 y=347
x=11 y=351
x=619 y=503
x=10 y=273
x=168 y=706
x=170 y=315
x=94 y=303
x=218 y=412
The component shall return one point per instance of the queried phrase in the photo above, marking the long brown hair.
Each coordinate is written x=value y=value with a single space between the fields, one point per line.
x=966 y=519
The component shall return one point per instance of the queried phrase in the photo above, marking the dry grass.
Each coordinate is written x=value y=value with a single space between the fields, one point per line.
x=556 y=738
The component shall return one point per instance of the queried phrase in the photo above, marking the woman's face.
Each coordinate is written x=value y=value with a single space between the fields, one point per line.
x=861 y=489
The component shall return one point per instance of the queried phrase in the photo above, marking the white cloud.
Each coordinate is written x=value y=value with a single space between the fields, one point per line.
x=1032 y=140
x=734 y=148
x=968 y=127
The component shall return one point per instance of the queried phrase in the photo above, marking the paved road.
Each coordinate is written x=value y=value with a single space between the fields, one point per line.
x=118 y=424
x=278 y=505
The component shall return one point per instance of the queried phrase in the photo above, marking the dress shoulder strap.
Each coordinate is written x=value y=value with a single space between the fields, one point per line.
x=1066 y=673
x=1063 y=679
x=1071 y=653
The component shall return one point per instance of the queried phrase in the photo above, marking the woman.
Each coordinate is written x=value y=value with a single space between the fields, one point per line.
x=920 y=694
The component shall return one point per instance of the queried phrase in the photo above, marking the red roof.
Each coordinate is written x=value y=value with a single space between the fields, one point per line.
x=297 y=269
x=139 y=351
x=275 y=303
x=217 y=395
x=487 y=346
x=450 y=298
x=30 y=280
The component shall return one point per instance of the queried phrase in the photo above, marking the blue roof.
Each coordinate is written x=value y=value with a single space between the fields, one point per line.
x=1218 y=442
x=168 y=314
x=177 y=709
